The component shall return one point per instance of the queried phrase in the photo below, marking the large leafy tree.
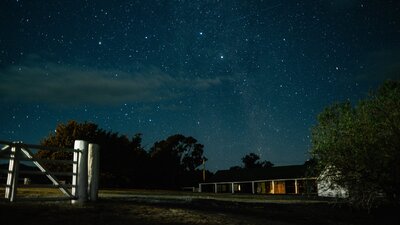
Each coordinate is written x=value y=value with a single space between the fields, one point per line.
x=359 y=147
x=122 y=161
x=174 y=158
x=64 y=137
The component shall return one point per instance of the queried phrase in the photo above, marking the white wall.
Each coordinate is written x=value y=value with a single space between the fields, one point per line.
x=327 y=189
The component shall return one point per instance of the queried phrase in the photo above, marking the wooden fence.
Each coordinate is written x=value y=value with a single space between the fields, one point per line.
x=85 y=169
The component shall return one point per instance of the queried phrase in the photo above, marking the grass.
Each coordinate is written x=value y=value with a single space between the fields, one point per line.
x=212 y=196
x=125 y=206
x=169 y=194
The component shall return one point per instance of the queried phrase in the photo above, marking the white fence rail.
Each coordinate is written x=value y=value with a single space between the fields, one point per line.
x=85 y=169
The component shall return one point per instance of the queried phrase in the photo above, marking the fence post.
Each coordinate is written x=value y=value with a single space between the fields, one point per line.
x=12 y=176
x=93 y=171
x=80 y=172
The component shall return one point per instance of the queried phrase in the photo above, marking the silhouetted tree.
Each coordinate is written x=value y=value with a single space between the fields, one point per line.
x=251 y=160
x=174 y=158
x=123 y=162
x=64 y=137
x=235 y=168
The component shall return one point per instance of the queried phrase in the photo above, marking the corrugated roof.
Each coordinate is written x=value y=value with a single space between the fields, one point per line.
x=277 y=172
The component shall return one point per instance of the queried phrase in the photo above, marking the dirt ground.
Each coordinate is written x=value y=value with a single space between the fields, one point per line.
x=147 y=208
x=117 y=212
x=113 y=213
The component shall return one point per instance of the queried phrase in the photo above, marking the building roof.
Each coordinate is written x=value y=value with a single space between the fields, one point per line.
x=272 y=173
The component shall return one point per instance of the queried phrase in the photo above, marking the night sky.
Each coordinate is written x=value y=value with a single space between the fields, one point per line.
x=239 y=76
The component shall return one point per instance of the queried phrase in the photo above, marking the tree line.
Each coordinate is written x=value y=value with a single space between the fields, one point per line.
x=169 y=163
x=252 y=161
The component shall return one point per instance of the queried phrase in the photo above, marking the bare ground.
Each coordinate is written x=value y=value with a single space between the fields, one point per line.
x=119 y=208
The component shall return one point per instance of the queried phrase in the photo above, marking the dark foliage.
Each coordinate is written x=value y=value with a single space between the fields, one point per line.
x=359 y=147
x=174 y=161
x=171 y=163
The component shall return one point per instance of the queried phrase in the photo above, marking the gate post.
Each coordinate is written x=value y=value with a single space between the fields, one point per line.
x=93 y=171
x=12 y=176
x=80 y=174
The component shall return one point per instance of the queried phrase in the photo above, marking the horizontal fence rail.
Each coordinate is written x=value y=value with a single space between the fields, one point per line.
x=40 y=147
x=28 y=172
x=84 y=182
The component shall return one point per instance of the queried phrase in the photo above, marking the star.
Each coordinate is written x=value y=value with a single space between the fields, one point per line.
x=216 y=73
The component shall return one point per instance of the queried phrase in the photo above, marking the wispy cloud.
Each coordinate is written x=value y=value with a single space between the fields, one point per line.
x=69 y=84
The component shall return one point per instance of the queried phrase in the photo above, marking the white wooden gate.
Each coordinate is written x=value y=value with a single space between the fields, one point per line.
x=85 y=179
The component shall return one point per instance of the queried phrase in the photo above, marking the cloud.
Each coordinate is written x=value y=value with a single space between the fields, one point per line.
x=68 y=84
x=207 y=83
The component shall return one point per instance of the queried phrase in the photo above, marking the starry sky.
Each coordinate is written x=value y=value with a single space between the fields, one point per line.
x=240 y=76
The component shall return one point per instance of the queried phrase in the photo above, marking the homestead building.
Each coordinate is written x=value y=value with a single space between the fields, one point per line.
x=273 y=180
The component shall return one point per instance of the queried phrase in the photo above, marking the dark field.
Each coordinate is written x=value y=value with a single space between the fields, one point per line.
x=160 y=207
